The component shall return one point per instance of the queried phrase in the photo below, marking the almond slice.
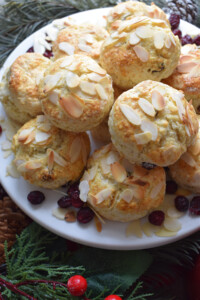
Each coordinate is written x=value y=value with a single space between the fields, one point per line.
x=158 y=100
x=50 y=160
x=95 y=77
x=144 y=32
x=67 y=48
x=85 y=48
x=188 y=159
x=159 y=39
x=172 y=212
x=195 y=147
x=143 y=138
x=148 y=126
x=72 y=80
x=165 y=233
x=147 y=107
x=104 y=166
x=33 y=165
x=68 y=60
x=130 y=114
x=172 y=224
x=118 y=172
x=181 y=109
x=59 y=160
x=96 y=68
x=103 y=195
x=186 y=67
x=141 y=53
x=112 y=157
x=172 y=39
x=167 y=42
x=54 y=97
x=41 y=137
x=156 y=190
x=84 y=190
x=127 y=195
x=185 y=59
x=89 y=38
x=101 y=91
x=75 y=149
x=133 y=39
x=59 y=213
x=23 y=135
x=41 y=119
x=30 y=138
x=72 y=106
x=88 y=87
x=195 y=72
x=51 y=81
x=44 y=127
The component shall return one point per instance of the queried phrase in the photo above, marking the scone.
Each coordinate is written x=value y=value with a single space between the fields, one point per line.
x=118 y=190
x=152 y=123
x=186 y=171
x=101 y=132
x=47 y=156
x=131 y=9
x=141 y=49
x=186 y=76
x=78 y=93
x=19 y=91
x=83 y=39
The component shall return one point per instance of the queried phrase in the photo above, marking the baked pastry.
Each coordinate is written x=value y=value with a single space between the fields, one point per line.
x=47 y=156
x=101 y=132
x=141 y=49
x=78 y=93
x=19 y=88
x=118 y=190
x=186 y=76
x=131 y=9
x=152 y=123
x=186 y=171
x=83 y=39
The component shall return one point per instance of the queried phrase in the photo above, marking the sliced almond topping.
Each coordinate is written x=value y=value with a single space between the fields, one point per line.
x=130 y=114
x=195 y=147
x=186 y=67
x=185 y=59
x=95 y=77
x=156 y=190
x=181 y=109
x=92 y=172
x=72 y=80
x=159 y=39
x=186 y=157
x=103 y=195
x=167 y=42
x=144 y=32
x=148 y=126
x=51 y=81
x=68 y=60
x=33 y=165
x=134 y=39
x=158 y=100
x=50 y=160
x=45 y=126
x=84 y=190
x=89 y=38
x=75 y=149
x=88 y=87
x=118 y=172
x=112 y=157
x=133 y=23
x=54 y=97
x=195 y=72
x=143 y=138
x=101 y=91
x=127 y=195
x=30 y=138
x=147 y=107
x=41 y=119
x=72 y=106
x=59 y=160
x=172 y=224
x=74 y=66
x=85 y=48
x=41 y=136
x=172 y=39
x=67 y=48
x=59 y=213
x=141 y=53
x=24 y=134
x=96 y=68
x=105 y=166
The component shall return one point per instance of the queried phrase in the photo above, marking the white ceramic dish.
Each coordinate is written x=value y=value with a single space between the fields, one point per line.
x=113 y=234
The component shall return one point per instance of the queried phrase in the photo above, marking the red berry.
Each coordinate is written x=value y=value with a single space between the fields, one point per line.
x=157 y=217
x=85 y=215
x=65 y=202
x=36 y=197
x=186 y=39
x=171 y=187
x=113 y=297
x=196 y=40
x=30 y=50
x=77 y=285
x=181 y=203
x=174 y=20
x=178 y=33
x=48 y=53
x=195 y=206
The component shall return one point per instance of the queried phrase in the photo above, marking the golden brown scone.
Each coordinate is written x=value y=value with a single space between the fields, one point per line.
x=19 y=89
x=152 y=123
x=186 y=171
x=118 y=190
x=141 y=49
x=85 y=39
x=78 y=93
x=186 y=76
x=131 y=9
x=101 y=132
x=47 y=156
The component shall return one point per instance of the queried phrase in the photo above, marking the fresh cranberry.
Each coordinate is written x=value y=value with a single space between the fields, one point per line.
x=148 y=166
x=48 y=53
x=195 y=206
x=30 y=50
x=113 y=297
x=65 y=202
x=1 y=129
x=77 y=285
x=181 y=203
x=171 y=187
x=196 y=40
x=186 y=39
x=36 y=197
x=76 y=202
x=74 y=193
x=174 y=20
x=178 y=33
x=157 y=217
x=85 y=215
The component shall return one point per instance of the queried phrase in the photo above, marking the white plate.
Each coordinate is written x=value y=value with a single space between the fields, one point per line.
x=113 y=234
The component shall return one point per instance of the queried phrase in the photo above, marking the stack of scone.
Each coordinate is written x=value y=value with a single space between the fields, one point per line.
x=108 y=82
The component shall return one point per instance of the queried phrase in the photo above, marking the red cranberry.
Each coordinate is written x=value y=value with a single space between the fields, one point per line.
x=30 y=50
x=65 y=202
x=171 y=187
x=48 y=53
x=178 y=33
x=157 y=217
x=74 y=193
x=77 y=202
x=36 y=197
x=148 y=166
x=1 y=129
x=113 y=297
x=181 y=203
x=186 y=39
x=73 y=188
x=195 y=206
x=85 y=215
x=196 y=40
x=174 y=20
x=77 y=285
